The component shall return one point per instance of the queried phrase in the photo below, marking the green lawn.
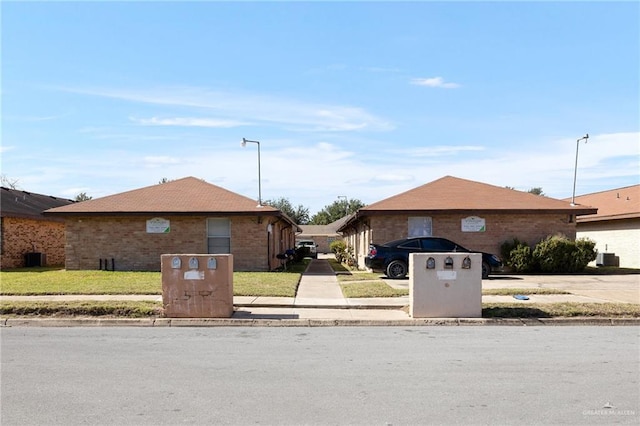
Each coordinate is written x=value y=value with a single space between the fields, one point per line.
x=51 y=281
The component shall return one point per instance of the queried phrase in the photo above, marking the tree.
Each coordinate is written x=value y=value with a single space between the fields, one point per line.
x=536 y=191
x=8 y=183
x=300 y=214
x=335 y=211
x=83 y=197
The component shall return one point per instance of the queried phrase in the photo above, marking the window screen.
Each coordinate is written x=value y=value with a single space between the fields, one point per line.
x=420 y=227
x=218 y=236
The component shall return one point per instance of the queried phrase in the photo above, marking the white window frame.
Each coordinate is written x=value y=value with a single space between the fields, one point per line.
x=420 y=226
x=218 y=235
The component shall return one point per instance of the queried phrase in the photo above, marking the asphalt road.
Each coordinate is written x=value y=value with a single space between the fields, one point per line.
x=329 y=375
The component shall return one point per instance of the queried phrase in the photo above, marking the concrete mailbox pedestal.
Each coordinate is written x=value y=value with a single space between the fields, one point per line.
x=197 y=285
x=445 y=285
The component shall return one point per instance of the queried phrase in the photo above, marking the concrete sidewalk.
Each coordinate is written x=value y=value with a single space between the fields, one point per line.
x=319 y=297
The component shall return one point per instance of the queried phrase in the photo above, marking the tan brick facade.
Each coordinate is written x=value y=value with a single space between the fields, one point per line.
x=526 y=227
x=22 y=235
x=125 y=240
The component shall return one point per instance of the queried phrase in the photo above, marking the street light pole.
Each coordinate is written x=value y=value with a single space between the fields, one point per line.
x=346 y=204
x=243 y=144
x=575 y=170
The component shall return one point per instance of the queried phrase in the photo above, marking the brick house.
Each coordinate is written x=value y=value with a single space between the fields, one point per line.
x=131 y=230
x=475 y=215
x=323 y=235
x=616 y=226
x=27 y=237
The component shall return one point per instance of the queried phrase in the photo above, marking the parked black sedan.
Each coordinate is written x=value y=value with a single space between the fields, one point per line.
x=392 y=258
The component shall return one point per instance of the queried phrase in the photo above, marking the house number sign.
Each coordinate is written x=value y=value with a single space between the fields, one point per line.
x=158 y=225
x=473 y=224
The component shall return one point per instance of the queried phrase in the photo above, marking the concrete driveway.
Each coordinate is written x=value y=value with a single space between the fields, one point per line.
x=613 y=288
x=589 y=288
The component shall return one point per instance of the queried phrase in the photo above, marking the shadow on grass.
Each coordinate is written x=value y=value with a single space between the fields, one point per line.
x=513 y=312
x=250 y=315
x=35 y=269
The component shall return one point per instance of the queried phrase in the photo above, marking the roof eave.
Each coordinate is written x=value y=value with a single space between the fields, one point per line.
x=568 y=210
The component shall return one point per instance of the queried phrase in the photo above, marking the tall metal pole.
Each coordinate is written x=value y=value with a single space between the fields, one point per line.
x=346 y=204
x=575 y=170
x=244 y=143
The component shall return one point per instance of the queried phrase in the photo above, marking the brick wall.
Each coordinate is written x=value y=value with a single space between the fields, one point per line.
x=89 y=239
x=530 y=228
x=20 y=236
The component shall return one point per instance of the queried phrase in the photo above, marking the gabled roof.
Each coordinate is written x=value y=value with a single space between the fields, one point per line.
x=328 y=230
x=621 y=203
x=17 y=203
x=454 y=194
x=182 y=196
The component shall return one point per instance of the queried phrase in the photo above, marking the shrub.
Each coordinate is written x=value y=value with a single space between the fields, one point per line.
x=521 y=259
x=557 y=253
x=517 y=255
x=507 y=247
x=586 y=252
x=554 y=254
x=339 y=248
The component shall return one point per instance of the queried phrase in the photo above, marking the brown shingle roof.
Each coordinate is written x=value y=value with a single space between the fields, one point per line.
x=450 y=193
x=329 y=230
x=621 y=203
x=17 y=203
x=183 y=196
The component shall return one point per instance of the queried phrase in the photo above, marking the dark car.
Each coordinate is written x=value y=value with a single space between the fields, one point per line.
x=392 y=258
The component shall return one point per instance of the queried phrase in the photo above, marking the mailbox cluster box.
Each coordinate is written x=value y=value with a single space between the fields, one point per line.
x=445 y=285
x=197 y=285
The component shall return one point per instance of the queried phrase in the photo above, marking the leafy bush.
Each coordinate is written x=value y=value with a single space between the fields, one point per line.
x=507 y=247
x=586 y=252
x=521 y=259
x=339 y=248
x=557 y=253
x=517 y=255
x=554 y=254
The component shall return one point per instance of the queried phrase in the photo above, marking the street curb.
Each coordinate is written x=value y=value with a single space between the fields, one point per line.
x=258 y=322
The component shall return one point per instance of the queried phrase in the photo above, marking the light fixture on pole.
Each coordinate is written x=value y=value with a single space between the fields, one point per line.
x=346 y=204
x=243 y=144
x=575 y=170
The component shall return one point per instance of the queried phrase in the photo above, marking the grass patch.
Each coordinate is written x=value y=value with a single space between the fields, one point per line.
x=565 y=310
x=50 y=281
x=371 y=289
x=527 y=291
x=360 y=276
x=128 y=309
x=337 y=266
x=275 y=284
x=56 y=281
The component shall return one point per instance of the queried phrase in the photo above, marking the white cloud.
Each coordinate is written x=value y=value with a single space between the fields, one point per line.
x=188 y=122
x=440 y=151
x=243 y=108
x=434 y=82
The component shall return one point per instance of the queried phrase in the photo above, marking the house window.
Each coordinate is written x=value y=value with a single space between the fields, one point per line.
x=420 y=227
x=218 y=235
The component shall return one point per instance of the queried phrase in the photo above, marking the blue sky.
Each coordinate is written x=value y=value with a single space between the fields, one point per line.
x=356 y=99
